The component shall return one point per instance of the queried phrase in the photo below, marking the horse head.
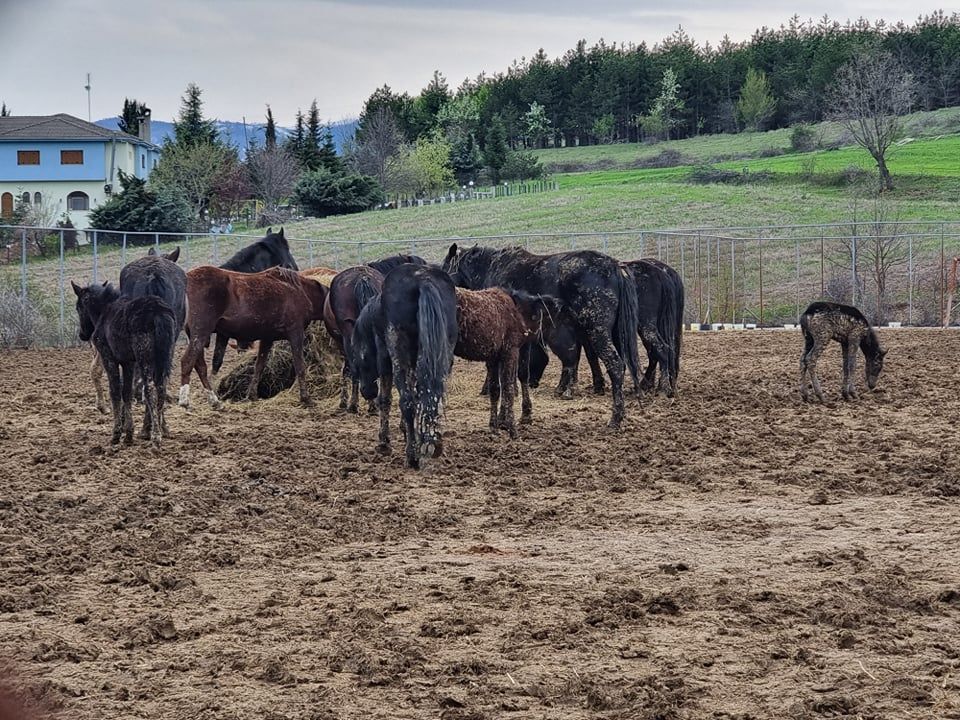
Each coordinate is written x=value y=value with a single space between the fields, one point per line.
x=92 y=300
x=874 y=364
x=537 y=311
x=172 y=256
x=362 y=350
x=468 y=268
x=280 y=249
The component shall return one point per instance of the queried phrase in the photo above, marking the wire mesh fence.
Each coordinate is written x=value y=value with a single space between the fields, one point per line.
x=895 y=271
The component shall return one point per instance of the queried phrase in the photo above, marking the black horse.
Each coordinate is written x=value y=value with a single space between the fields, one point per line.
x=660 y=298
x=822 y=322
x=385 y=265
x=419 y=309
x=134 y=330
x=599 y=299
x=270 y=251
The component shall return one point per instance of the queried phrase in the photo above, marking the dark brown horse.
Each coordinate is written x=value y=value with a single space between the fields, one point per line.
x=822 y=322
x=492 y=327
x=350 y=291
x=272 y=305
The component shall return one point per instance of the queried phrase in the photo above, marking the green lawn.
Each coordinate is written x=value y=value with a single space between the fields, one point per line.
x=718 y=148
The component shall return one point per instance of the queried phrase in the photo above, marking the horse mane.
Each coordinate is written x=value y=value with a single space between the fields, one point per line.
x=870 y=343
x=106 y=292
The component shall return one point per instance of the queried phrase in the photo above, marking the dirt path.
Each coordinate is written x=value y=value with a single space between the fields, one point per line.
x=735 y=554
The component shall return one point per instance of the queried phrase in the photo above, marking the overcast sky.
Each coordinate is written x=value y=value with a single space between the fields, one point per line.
x=245 y=54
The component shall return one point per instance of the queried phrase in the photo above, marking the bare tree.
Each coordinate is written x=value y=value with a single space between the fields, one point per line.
x=273 y=173
x=869 y=95
x=195 y=171
x=379 y=140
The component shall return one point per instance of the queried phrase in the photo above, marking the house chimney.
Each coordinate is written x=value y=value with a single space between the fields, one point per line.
x=145 y=126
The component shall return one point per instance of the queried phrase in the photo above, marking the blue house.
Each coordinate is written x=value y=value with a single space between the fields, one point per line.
x=63 y=164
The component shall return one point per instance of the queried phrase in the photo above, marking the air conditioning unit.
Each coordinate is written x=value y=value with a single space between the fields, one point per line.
x=108 y=188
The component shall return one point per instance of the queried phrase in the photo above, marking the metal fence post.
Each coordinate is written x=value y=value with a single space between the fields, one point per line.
x=854 y=284
x=943 y=271
x=216 y=249
x=822 y=287
x=186 y=252
x=61 y=289
x=910 y=279
x=156 y=242
x=96 y=259
x=310 y=252
x=798 y=277
x=123 y=250
x=709 y=317
x=605 y=241
x=23 y=265
x=760 y=251
x=733 y=281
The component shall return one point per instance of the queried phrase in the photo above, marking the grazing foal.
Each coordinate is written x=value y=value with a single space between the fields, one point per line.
x=822 y=322
x=492 y=327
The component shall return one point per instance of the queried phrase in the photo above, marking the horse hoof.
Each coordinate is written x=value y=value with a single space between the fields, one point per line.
x=526 y=419
x=143 y=435
x=307 y=402
x=384 y=448
x=372 y=411
x=599 y=390
x=567 y=394
x=102 y=409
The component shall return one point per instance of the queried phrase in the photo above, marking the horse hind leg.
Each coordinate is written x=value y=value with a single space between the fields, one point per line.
x=599 y=386
x=508 y=382
x=219 y=350
x=299 y=366
x=96 y=374
x=607 y=352
x=494 y=379
x=384 y=398
x=127 y=398
x=262 y=353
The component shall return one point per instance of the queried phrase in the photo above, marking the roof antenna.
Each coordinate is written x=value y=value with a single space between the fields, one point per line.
x=87 y=88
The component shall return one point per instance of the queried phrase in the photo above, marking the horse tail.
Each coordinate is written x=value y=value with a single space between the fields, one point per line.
x=435 y=354
x=363 y=292
x=628 y=314
x=151 y=317
x=667 y=324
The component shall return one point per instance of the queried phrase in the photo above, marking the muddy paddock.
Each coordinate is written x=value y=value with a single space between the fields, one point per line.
x=734 y=554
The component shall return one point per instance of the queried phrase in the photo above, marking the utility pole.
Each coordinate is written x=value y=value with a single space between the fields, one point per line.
x=87 y=88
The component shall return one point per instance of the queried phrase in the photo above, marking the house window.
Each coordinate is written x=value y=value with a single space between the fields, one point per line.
x=37 y=198
x=71 y=157
x=6 y=204
x=28 y=157
x=78 y=200
x=154 y=163
x=26 y=198
x=143 y=161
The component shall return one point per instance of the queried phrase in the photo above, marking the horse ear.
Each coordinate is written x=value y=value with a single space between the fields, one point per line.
x=174 y=255
x=270 y=230
x=152 y=251
x=281 y=231
x=106 y=282
x=452 y=253
x=76 y=288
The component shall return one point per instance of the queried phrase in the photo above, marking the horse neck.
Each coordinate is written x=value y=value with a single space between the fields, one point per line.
x=869 y=343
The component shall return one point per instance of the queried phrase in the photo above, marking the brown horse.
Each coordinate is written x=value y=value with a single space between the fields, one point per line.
x=272 y=305
x=349 y=292
x=493 y=325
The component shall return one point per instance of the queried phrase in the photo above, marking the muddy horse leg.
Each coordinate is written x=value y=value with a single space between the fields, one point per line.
x=805 y=366
x=263 y=352
x=296 y=348
x=384 y=397
x=849 y=370
x=812 y=357
x=508 y=386
x=407 y=415
x=115 y=387
x=607 y=352
x=599 y=386
x=493 y=379
x=219 y=349
x=96 y=374
x=128 y=372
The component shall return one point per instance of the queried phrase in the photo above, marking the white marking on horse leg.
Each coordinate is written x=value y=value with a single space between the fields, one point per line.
x=214 y=400
x=184 y=400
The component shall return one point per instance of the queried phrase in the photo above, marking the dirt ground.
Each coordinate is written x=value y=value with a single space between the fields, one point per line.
x=734 y=554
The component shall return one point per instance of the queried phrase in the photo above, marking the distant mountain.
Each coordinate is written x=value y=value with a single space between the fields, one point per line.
x=235 y=134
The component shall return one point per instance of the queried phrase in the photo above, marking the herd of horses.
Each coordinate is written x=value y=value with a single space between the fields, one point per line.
x=400 y=321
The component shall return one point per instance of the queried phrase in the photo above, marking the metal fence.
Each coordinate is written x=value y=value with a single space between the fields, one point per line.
x=895 y=271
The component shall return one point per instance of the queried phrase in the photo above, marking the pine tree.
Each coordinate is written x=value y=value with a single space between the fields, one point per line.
x=327 y=152
x=295 y=142
x=270 y=134
x=756 y=104
x=192 y=128
x=4 y=110
x=129 y=120
x=495 y=153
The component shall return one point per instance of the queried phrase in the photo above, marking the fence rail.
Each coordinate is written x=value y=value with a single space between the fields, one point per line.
x=894 y=271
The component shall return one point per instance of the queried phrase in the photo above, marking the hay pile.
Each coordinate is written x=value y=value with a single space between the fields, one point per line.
x=323 y=369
